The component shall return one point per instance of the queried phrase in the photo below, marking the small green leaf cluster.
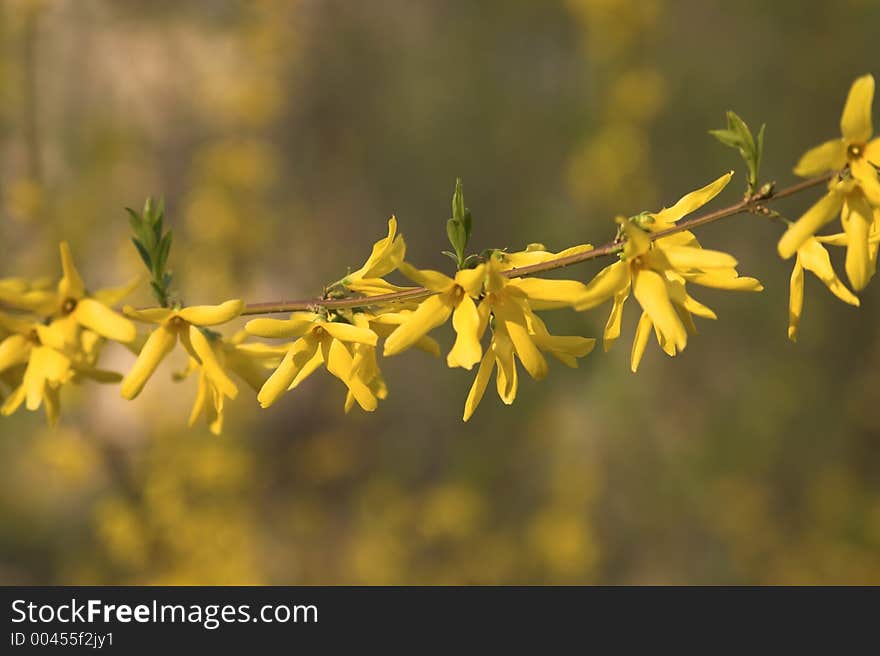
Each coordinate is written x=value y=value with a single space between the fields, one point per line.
x=458 y=228
x=738 y=135
x=153 y=245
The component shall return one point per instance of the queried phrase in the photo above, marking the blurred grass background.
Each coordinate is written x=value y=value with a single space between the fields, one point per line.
x=282 y=135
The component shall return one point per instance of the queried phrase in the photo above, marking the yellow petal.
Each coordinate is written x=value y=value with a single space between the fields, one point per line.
x=148 y=315
x=432 y=312
x=433 y=280
x=349 y=333
x=692 y=201
x=200 y=401
x=13 y=403
x=684 y=257
x=295 y=326
x=211 y=315
x=610 y=281
x=507 y=379
x=386 y=256
x=526 y=350
x=375 y=286
x=637 y=243
x=828 y=156
x=339 y=363
x=814 y=258
x=855 y=123
x=537 y=255
x=114 y=295
x=805 y=227
x=209 y=362
x=640 y=341
x=866 y=174
x=471 y=280
x=478 y=388
x=71 y=285
x=469 y=327
x=159 y=344
x=546 y=294
x=795 y=300
x=650 y=290
x=725 y=279
x=311 y=361
x=684 y=301
x=104 y=321
x=612 y=327
x=14 y=350
x=566 y=348
x=857 y=218
x=286 y=372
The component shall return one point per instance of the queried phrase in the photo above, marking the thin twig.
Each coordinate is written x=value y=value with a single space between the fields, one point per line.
x=746 y=205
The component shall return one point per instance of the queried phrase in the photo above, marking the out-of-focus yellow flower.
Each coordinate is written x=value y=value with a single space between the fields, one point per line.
x=174 y=324
x=76 y=307
x=452 y=297
x=21 y=294
x=657 y=271
x=387 y=255
x=321 y=341
x=855 y=197
x=812 y=256
x=43 y=352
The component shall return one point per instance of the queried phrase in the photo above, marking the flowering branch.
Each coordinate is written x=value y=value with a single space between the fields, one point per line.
x=752 y=204
x=54 y=336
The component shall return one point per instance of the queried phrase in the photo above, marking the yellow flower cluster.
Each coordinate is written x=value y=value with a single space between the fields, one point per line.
x=53 y=334
x=853 y=194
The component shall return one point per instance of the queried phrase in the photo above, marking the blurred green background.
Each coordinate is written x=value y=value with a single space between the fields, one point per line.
x=282 y=135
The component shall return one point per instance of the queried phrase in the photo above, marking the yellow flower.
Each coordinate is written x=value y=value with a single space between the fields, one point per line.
x=844 y=197
x=320 y=342
x=812 y=256
x=452 y=297
x=79 y=309
x=500 y=356
x=21 y=294
x=174 y=324
x=386 y=257
x=657 y=271
x=854 y=197
x=855 y=147
x=249 y=361
x=40 y=349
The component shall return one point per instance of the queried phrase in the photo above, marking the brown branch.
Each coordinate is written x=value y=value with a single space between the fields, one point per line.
x=751 y=204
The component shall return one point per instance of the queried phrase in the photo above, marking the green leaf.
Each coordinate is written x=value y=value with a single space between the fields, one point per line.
x=738 y=135
x=458 y=201
x=145 y=256
x=739 y=126
x=727 y=137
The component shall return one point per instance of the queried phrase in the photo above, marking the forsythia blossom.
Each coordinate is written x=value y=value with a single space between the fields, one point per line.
x=854 y=195
x=38 y=357
x=657 y=271
x=322 y=341
x=177 y=324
